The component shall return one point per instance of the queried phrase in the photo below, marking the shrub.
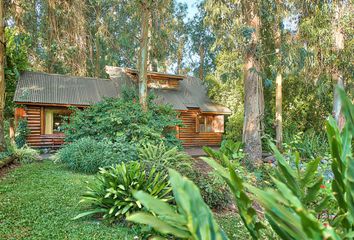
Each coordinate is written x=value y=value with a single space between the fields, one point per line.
x=213 y=189
x=193 y=219
x=229 y=152
x=26 y=154
x=214 y=192
x=115 y=118
x=22 y=132
x=112 y=194
x=309 y=144
x=88 y=155
x=163 y=157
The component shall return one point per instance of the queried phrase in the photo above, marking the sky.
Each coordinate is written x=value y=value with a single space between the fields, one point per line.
x=192 y=9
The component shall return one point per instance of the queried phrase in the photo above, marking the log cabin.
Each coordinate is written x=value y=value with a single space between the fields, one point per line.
x=43 y=99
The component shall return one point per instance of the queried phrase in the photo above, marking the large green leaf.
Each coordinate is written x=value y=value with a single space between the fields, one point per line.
x=243 y=202
x=158 y=224
x=201 y=222
x=347 y=108
x=286 y=171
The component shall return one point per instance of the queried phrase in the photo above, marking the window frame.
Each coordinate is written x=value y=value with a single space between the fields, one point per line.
x=214 y=118
x=44 y=118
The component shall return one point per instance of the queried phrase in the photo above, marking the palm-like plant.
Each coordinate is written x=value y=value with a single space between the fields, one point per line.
x=112 y=194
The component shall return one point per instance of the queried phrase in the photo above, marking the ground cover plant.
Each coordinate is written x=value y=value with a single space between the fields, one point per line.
x=38 y=201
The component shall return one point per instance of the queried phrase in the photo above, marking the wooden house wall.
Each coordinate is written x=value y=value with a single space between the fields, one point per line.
x=37 y=138
x=188 y=134
x=190 y=137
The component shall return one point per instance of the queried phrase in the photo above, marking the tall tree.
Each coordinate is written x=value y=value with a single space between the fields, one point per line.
x=338 y=46
x=202 y=40
x=279 y=77
x=253 y=87
x=2 y=75
x=143 y=56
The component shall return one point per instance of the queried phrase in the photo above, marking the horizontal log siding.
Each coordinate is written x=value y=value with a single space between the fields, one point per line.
x=35 y=138
x=190 y=137
x=187 y=133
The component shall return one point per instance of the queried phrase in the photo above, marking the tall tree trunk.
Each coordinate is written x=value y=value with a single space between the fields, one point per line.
x=253 y=99
x=201 y=61
x=278 y=110
x=180 y=56
x=52 y=31
x=278 y=87
x=143 y=58
x=2 y=75
x=338 y=45
x=97 y=42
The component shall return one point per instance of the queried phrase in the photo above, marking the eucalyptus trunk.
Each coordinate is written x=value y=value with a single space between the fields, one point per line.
x=201 y=63
x=180 y=56
x=143 y=58
x=2 y=75
x=97 y=43
x=253 y=99
x=52 y=34
x=278 y=87
x=337 y=76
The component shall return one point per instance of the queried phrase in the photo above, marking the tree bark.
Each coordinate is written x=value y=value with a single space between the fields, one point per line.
x=2 y=75
x=278 y=110
x=253 y=99
x=338 y=45
x=143 y=58
x=97 y=43
x=201 y=63
x=52 y=32
x=180 y=56
x=278 y=88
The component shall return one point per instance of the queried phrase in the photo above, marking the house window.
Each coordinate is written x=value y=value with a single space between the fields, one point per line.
x=54 y=120
x=210 y=123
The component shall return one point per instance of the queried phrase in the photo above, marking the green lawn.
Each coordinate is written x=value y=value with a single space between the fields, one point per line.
x=38 y=200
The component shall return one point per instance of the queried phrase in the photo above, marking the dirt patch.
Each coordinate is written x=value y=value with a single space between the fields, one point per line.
x=201 y=166
x=4 y=170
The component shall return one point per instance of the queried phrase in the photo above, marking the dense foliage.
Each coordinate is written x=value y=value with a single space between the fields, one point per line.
x=123 y=120
x=213 y=190
x=17 y=45
x=88 y=155
x=293 y=206
x=22 y=132
x=26 y=154
x=191 y=221
x=112 y=193
x=163 y=157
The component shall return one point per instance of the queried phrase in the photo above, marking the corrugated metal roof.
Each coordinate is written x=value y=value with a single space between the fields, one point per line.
x=191 y=94
x=34 y=87
x=46 y=88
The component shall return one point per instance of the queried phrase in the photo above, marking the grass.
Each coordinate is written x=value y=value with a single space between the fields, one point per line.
x=38 y=201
